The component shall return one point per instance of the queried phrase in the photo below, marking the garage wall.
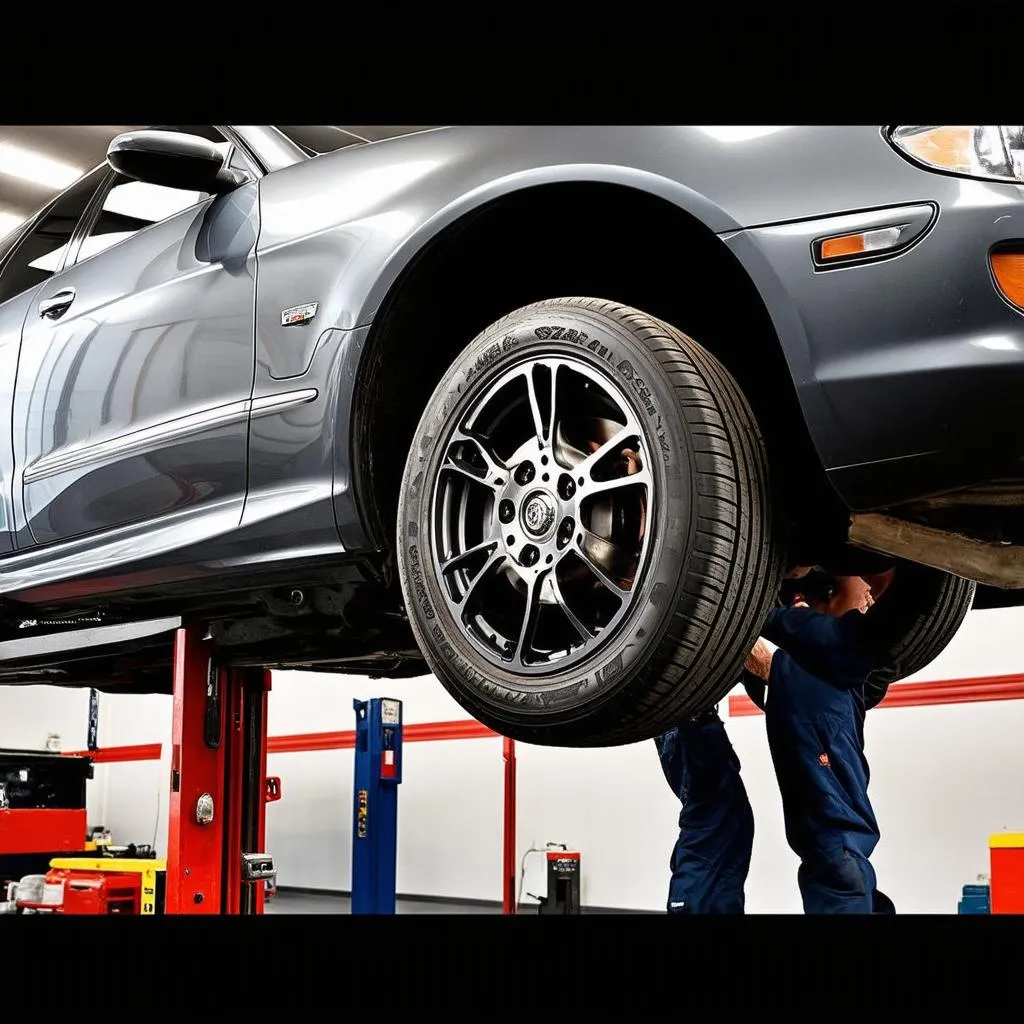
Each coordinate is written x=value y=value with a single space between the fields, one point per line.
x=943 y=779
x=135 y=809
x=450 y=800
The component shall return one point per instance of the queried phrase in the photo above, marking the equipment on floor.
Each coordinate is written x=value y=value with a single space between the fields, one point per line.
x=133 y=851
x=563 y=882
x=378 y=773
x=104 y=885
x=42 y=810
x=1006 y=859
x=99 y=838
x=96 y=892
x=109 y=884
x=562 y=879
x=975 y=900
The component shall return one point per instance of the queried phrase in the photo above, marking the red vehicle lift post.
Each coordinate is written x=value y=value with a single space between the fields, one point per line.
x=219 y=785
x=508 y=846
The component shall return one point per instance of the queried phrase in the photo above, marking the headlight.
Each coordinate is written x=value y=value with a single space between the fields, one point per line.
x=994 y=152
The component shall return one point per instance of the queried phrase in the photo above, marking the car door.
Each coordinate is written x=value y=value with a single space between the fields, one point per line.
x=136 y=367
x=29 y=256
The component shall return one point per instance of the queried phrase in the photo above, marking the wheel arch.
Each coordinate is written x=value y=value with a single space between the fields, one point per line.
x=689 y=200
x=640 y=222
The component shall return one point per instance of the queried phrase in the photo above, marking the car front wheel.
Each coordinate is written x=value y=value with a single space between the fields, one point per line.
x=587 y=545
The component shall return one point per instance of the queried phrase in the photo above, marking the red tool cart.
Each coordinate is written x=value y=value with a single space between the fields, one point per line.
x=42 y=810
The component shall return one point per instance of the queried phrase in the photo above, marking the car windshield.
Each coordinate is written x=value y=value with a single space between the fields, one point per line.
x=316 y=139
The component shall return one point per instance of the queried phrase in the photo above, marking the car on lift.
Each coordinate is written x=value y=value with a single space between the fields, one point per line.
x=546 y=411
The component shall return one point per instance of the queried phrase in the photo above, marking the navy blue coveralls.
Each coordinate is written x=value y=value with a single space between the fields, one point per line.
x=711 y=856
x=814 y=714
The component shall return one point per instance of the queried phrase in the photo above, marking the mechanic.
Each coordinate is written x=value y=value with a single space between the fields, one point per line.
x=711 y=856
x=831 y=636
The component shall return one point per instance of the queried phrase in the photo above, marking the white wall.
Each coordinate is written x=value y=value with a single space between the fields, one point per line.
x=943 y=779
x=450 y=800
x=135 y=808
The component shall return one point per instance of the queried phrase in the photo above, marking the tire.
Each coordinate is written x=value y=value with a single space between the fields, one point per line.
x=937 y=604
x=606 y=662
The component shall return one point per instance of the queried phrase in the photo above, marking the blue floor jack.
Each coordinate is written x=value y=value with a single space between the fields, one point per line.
x=378 y=773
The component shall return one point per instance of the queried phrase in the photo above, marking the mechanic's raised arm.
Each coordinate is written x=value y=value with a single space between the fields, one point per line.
x=843 y=650
x=818 y=642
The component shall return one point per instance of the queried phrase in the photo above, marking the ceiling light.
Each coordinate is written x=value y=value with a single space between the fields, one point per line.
x=23 y=163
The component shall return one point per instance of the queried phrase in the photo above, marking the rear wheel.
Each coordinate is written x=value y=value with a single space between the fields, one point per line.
x=935 y=607
x=587 y=545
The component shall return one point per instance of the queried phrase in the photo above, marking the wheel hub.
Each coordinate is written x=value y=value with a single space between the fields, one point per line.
x=539 y=513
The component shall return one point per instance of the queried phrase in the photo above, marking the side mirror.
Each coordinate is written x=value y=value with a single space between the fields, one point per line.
x=174 y=160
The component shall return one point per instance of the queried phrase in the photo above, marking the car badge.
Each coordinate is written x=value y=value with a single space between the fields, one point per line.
x=298 y=315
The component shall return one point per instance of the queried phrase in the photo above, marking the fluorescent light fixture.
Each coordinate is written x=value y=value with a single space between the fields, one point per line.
x=741 y=132
x=8 y=222
x=23 y=163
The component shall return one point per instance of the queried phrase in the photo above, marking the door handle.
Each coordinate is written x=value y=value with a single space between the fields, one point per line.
x=56 y=305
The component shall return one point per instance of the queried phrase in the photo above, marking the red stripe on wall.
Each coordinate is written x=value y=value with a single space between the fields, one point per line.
x=909 y=695
x=414 y=733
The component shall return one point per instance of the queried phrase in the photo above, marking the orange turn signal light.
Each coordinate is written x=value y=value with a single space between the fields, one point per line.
x=848 y=245
x=861 y=243
x=1008 y=270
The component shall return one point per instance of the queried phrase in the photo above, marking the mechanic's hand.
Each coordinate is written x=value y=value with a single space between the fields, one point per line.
x=759 y=661
x=879 y=582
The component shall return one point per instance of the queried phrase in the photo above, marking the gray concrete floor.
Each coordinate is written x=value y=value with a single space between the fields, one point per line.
x=315 y=903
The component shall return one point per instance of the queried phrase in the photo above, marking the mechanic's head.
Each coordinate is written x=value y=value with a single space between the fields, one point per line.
x=831 y=595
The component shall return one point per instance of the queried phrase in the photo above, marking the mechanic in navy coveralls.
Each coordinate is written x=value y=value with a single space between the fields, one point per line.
x=815 y=683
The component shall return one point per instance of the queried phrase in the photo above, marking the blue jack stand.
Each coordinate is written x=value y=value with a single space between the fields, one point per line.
x=375 y=813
